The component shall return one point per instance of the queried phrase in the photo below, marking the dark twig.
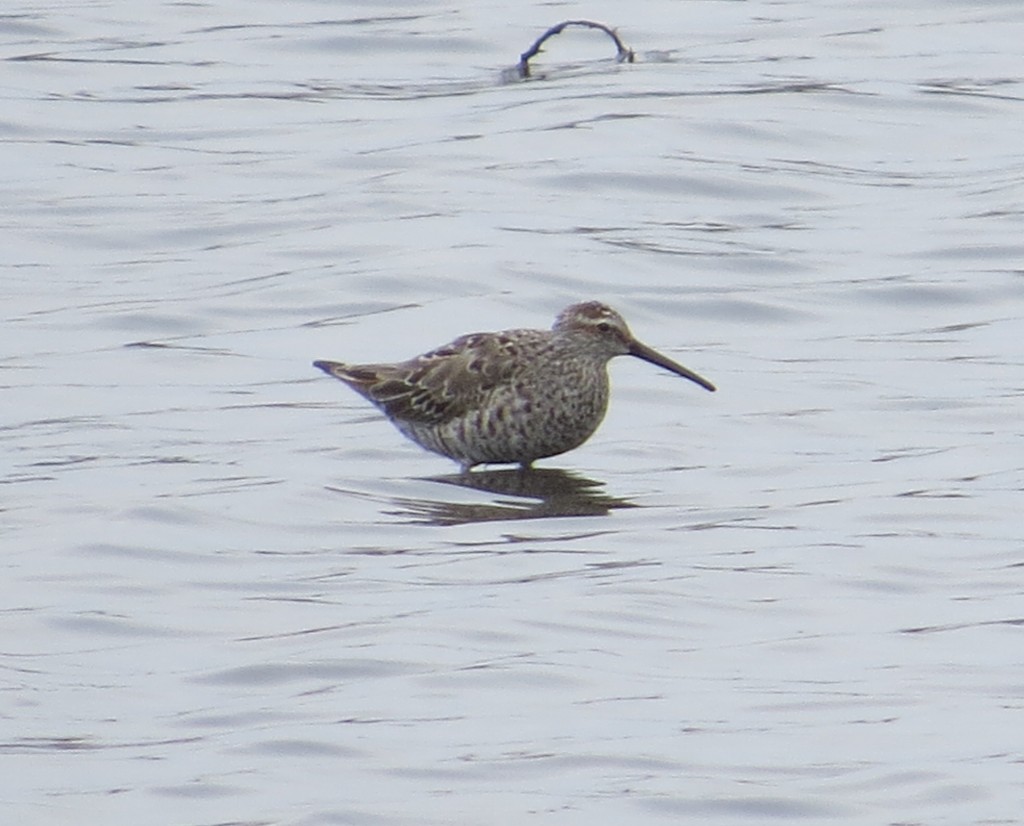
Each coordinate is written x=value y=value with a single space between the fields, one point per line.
x=624 y=54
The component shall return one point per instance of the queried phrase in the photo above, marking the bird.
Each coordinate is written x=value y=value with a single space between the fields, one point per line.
x=508 y=397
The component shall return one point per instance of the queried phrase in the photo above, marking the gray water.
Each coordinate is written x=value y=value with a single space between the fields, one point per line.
x=232 y=593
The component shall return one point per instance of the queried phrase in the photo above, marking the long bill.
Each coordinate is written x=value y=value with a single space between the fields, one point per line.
x=642 y=351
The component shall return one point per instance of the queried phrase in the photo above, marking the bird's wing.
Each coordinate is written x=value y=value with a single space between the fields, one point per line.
x=449 y=381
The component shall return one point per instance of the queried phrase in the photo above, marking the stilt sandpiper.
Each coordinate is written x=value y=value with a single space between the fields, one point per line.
x=508 y=397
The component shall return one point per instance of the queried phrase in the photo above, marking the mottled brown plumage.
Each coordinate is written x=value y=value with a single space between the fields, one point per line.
x=508 y=397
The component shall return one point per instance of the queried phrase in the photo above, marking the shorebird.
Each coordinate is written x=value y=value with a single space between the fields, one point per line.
x=508 y=397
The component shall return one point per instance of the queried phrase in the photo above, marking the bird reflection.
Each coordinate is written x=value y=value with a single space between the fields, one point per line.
x=539 y=493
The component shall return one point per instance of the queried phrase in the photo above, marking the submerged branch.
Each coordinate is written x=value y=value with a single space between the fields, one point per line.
x=623 y=54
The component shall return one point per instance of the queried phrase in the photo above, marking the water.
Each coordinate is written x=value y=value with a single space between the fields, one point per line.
x=233 y=594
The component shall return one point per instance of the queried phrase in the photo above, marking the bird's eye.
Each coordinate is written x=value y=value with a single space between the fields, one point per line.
x=604 y=326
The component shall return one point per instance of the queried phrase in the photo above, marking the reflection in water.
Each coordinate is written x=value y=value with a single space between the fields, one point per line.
x=540 y=493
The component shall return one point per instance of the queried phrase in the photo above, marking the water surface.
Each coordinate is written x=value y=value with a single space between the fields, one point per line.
x=233 y=594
